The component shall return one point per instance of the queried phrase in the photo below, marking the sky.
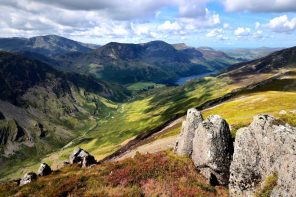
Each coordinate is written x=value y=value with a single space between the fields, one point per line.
x=212 y=23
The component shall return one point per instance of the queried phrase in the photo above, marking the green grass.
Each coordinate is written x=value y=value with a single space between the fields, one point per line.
x=175 y=130
x=240 y=111
x=144 y=86
x=268 y=185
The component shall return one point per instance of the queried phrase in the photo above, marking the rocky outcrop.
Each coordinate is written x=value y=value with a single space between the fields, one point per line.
x=212 y=149
x=28 y=178
x=10 y=131
x=82 y=157
x=44 y=170
x=184 y=142
x=262 y=149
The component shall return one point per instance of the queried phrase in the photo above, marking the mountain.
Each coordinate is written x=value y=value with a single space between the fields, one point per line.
x=272 y=63
x=49 y=45
x=151 y=123
x=42 y=109
x=215 y=59
x=155 y=61
x=250 y=54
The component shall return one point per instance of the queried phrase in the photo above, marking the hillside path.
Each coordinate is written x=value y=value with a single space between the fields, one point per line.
x=153 y=147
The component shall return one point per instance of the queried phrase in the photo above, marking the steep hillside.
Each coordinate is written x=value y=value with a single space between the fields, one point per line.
x=155 y=61
x=42 y=109
x=49 y=45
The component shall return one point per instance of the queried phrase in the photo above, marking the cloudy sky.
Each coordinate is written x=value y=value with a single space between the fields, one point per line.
x=214 y=23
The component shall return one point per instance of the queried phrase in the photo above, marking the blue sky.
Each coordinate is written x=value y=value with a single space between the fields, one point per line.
x=213 y=23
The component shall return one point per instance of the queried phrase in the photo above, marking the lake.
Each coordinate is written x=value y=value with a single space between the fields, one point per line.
x=183 y=80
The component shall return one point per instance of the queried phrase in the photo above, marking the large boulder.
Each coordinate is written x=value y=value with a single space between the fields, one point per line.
x=82 y=157
x=212 y=149
x=184 y=142
x=264 y=148
x=285 y=169
x=28 y=178
x=44 y=170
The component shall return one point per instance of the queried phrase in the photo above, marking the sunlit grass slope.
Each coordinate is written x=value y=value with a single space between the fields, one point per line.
x=270 y=98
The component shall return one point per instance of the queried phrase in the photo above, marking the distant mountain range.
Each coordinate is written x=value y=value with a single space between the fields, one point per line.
x=49 y=45
x=155 y=61
x=250 y=54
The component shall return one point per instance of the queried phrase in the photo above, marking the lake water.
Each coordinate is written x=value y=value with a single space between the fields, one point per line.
x=183 y=80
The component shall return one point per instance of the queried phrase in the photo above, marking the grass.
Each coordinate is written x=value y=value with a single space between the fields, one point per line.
x=268 y=185
x=142 y=86
x=173 y=131
x=240 y=111
x=160 y=174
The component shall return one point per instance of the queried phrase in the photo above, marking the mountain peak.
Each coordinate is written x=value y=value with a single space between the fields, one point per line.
x=181 y=46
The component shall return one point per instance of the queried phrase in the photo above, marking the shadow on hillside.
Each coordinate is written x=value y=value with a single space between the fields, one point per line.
x=177 y=102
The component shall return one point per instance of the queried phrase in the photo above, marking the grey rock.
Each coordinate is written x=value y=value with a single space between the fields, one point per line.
x=212 y=149
x=82 y=157
x=88 y=161
x=44 y=170
x=283 y=112
x=286 y=172
x=28 y=178
x=263 y=148
x=184 y=142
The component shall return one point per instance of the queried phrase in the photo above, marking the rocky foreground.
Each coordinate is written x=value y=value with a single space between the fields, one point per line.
x=262 y=160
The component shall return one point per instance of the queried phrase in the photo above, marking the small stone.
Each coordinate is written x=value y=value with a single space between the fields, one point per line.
x=44 y=170
x=82 y=157
x=88 y=161
x=28 y=178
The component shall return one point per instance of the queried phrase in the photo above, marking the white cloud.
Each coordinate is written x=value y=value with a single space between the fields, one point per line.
x=260 y=5
x=192 y=8
x=217 y=34
x=104 y=19
x=258 y=34
x=226 y=26
x=242 y=32
x=214 y=33
x=282 y=24
x=257 y=25
x=169 y=26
